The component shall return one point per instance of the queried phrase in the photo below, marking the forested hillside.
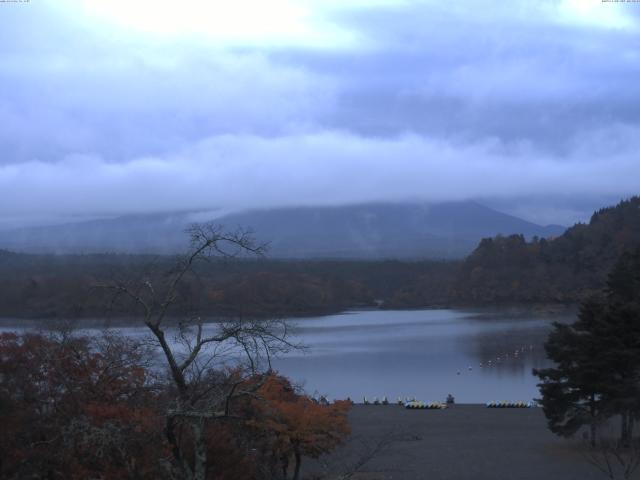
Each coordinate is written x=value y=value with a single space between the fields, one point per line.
x=62 y=285
x=562 y=269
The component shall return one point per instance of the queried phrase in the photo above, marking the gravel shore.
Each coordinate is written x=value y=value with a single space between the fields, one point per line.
x=463 y=442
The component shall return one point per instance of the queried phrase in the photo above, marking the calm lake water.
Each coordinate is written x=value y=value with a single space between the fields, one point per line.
x=476 y=355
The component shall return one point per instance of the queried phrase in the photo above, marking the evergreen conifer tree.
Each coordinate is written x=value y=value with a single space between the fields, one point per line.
x=597 y=359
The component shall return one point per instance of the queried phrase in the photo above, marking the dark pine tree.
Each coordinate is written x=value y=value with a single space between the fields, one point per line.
x=597 y=371
x=572 y=391
x=620 y=337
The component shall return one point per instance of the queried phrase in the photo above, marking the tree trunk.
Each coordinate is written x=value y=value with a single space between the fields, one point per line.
x=624 y=429
x=285 y=467
x=200 y=447
x=180 y=461
x=298 y=457
x=592 y=429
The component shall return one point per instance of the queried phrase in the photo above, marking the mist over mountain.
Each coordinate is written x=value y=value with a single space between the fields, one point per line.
x=380 y=230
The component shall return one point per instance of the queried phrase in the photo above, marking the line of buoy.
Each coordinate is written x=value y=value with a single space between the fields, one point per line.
x=504 y=356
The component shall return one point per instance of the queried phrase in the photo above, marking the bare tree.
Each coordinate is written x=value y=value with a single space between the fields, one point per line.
x=614 y=458
x=196 y=353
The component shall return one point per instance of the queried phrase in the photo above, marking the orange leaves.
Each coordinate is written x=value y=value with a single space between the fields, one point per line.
x=86 y=408
x=299 y=422
x=76 y=406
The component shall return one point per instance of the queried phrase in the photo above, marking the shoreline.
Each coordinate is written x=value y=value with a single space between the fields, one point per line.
x=124 y=320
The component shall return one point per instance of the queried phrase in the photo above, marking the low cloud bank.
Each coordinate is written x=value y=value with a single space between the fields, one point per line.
x=329 y=168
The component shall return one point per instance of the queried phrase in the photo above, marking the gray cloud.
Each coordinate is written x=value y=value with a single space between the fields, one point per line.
x=329 y=168
x=124 y=98
x=446 y=72
x=503 y=101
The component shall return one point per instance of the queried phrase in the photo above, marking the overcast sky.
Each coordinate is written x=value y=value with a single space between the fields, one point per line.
x=115 y=107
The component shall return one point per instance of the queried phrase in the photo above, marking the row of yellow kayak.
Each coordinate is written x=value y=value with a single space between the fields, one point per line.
x=510 y=405
x=425 y=406
x=417 y=405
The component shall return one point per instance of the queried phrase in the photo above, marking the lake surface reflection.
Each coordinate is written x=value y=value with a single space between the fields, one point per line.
x=476 y=355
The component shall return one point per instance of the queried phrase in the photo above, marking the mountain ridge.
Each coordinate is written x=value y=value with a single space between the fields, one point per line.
x=374 y=230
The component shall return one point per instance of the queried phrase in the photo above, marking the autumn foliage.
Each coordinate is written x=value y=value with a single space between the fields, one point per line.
x=296 y=425
x=75 y=407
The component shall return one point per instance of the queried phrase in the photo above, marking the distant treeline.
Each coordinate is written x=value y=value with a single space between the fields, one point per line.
x=501 y=270
x=53 y=286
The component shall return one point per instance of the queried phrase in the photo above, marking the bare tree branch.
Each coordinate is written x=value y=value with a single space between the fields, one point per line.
x=203 y=393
